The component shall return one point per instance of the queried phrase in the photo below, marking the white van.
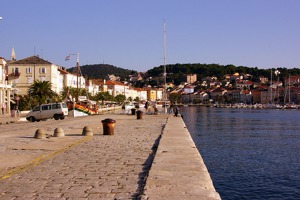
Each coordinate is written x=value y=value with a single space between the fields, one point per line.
x=48 y=111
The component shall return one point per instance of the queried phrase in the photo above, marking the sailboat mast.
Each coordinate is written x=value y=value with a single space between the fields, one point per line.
x=77 y=70
x=165 y=71
x=271 y=87
x=289 y=88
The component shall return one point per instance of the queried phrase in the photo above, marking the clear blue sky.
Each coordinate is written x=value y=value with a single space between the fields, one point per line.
x=129 y=33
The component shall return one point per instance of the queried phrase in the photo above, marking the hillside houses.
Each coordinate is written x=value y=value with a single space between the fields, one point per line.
x=241 y=90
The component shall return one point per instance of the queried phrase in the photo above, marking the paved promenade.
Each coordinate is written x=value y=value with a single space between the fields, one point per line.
x=90 y=167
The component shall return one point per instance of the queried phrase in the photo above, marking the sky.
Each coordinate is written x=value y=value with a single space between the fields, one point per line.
x=130 y=33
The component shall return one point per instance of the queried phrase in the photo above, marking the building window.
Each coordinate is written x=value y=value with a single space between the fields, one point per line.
x=15 y=70
x=42 y=70
x=28 y=70
x=29 y=80
x=43 y=78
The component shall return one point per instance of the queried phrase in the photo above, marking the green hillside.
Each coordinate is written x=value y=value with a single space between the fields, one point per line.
x=100 y=71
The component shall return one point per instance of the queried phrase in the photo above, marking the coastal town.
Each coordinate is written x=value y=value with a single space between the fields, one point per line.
x=234 y=90
x=149 y=100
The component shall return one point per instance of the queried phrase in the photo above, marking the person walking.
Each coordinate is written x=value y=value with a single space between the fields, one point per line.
x=176 y=111
x=155 y=108
x=171 y=109
x=146 y=107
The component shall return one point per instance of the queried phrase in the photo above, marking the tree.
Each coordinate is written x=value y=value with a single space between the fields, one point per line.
x=103 y=96
x=174 y=98
x=120 y=98
x=41 y=91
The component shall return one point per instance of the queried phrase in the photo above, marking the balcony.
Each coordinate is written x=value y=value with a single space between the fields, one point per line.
x=15 y=74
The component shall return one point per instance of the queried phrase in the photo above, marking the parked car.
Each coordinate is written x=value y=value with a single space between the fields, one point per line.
x=48 y=111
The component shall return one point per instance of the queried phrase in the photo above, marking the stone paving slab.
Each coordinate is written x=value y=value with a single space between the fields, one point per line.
x=99 y=167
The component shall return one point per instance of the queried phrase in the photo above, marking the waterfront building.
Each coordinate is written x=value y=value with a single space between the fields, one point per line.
x=241 y=84
x=70 y=80
x=151 y=94
x=234 y=96
x=291 y=80
x=22 y=73
x=5 y=88
x=115 y=88
x=218 y=93
x=187 y=98
x=197 y=97
x=188 y=89
x=142 y=94
x=92 y=87
x=246 y=96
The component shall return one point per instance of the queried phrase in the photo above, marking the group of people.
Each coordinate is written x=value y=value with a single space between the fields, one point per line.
x=174 y=109
x=149 y=106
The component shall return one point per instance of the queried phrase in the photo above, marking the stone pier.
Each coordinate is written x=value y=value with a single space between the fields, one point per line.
x=178 y=171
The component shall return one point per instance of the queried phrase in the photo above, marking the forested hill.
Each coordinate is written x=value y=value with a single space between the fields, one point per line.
x=177 y=71
x=100 y=71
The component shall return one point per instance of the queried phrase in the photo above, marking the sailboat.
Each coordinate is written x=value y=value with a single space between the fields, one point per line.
x=79 y=108
x=290 y=105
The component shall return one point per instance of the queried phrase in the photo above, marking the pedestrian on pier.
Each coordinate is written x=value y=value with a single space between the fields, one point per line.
x=176 y=111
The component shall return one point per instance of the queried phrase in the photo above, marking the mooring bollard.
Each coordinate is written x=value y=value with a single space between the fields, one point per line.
x=87 y=131
x=40 y=134
x=108 y=126
x=139 y=114
x=59 y=132
x=133 y=111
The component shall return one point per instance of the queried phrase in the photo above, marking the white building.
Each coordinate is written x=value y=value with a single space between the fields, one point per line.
x=5 y=88
x=71 y=81
x=92 y=88
x=115 y=88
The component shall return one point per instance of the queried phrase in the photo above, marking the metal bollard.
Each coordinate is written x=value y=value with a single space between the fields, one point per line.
x=139 y=114
x=108 y=126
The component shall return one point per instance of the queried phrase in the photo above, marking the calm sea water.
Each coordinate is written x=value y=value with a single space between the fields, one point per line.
x=249 y=153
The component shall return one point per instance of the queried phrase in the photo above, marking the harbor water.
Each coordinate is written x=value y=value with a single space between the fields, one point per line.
x=250 y=153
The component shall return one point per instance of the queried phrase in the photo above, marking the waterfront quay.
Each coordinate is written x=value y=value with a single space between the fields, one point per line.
x=118 y=166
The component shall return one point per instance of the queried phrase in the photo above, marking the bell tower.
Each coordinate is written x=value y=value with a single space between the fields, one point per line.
x=13 y=54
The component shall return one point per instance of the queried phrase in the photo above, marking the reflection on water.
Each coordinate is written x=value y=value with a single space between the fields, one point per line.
x=250 y=154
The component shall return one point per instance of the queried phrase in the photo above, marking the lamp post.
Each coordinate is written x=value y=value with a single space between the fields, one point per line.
x=77 y=71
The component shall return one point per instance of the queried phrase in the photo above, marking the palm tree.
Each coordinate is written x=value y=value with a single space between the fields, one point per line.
x=41 y=91
x=103 y=96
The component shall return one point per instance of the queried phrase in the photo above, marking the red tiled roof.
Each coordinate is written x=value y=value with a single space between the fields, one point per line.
x=114 y=83
x=31 y=60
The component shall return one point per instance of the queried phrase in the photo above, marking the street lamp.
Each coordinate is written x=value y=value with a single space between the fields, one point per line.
x=77 y=70
x=0 y=18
